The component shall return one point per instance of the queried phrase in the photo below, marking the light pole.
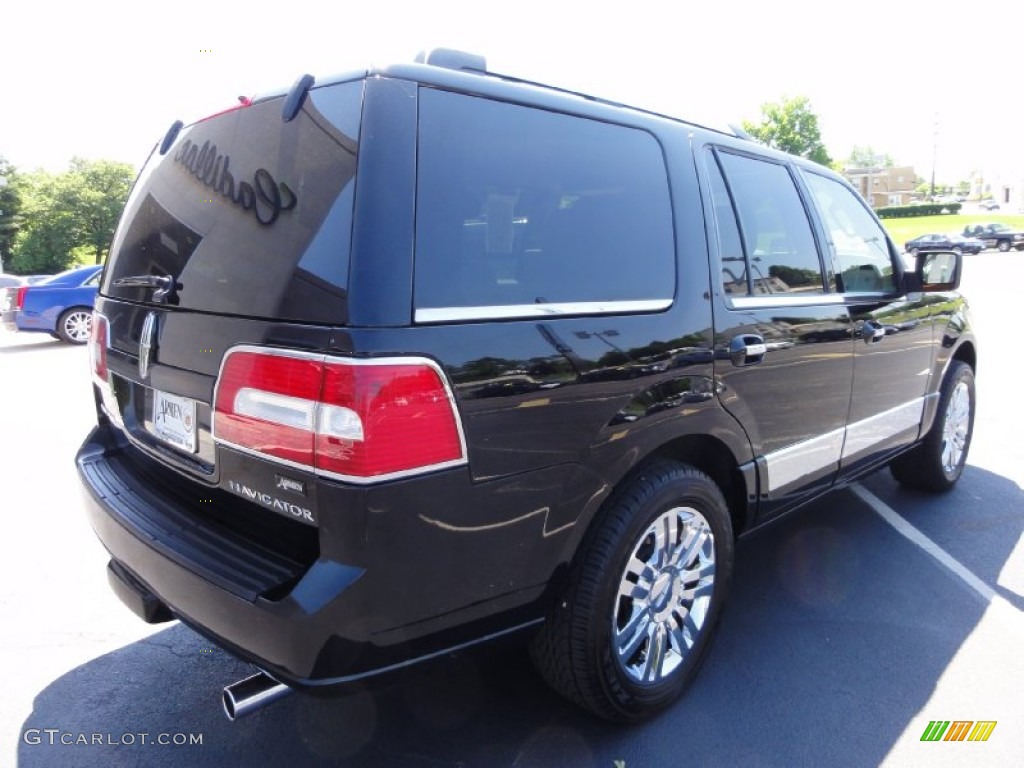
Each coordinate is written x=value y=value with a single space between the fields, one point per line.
x=935 y=151
x=3 y=183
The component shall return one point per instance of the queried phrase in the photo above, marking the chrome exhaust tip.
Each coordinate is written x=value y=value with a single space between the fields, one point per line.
x=252 y=693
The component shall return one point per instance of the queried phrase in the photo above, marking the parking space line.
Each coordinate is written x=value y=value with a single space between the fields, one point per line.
x=911 y=533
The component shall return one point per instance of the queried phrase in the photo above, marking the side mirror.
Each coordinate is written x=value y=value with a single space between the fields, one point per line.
x=934 y=272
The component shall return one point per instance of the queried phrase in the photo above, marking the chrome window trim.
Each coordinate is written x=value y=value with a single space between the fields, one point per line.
x=426 y=315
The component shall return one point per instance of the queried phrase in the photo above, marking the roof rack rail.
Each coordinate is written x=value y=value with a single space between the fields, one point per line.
x=449 y=58
x=739 y=133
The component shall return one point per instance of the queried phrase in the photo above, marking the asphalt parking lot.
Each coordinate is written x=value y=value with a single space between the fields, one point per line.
x=843 y=639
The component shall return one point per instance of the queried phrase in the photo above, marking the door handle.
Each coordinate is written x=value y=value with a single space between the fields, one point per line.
x=747 y=349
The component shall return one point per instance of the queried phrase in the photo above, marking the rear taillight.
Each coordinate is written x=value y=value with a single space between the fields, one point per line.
x=356 y=420
x=98 y=342
x=19 y=300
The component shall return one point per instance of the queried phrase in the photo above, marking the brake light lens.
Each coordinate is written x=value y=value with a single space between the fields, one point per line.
x=99 y=336
x=355 y=420
x=19 y=300
x=243 y=102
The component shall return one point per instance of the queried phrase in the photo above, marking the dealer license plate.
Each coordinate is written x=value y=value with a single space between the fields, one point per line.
x=174 y=420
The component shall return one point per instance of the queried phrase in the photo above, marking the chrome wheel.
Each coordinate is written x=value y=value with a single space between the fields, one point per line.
x=664 y=595
x=76 y=326
x=937 y=462
x=956 y=427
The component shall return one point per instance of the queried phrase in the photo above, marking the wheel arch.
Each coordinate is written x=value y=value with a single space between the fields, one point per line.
x=712 y=457
x=966 y=353
x=703 y=451
x=714 y=445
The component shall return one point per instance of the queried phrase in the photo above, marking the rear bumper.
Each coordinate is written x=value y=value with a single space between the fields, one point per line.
x=313 y=624
x=9 y=319
x=286 y=637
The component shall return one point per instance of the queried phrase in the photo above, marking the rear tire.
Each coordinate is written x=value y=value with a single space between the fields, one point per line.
x=74 y=325
x=937 y=463
x=643 y=597
x=1003 y=246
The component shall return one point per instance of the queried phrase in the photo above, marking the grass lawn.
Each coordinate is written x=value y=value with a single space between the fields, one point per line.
x=901 y=230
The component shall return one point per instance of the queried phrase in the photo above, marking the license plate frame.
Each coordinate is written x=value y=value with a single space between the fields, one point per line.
x=173 y=420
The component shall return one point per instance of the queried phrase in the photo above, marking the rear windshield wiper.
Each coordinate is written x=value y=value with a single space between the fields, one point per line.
x=165 y=285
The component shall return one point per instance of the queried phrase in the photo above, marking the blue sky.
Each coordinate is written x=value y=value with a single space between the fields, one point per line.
x=105 y=79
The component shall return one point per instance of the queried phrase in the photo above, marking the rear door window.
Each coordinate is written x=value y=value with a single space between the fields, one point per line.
x=780 y=253
x=526 y=212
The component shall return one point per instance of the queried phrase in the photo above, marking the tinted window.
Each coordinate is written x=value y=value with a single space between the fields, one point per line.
x=252 y=215
x=861 y=249
x=780 y=250
x=730 y=245
x=518 y=206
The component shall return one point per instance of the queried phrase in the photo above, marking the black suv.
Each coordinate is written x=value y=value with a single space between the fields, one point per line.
x=404 y=360
x=996 y=235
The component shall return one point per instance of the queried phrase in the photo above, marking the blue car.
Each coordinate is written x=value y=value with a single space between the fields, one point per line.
x=60 y=306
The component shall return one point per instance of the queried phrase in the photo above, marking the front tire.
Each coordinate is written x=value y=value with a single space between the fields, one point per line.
x=1003 y=246
x=937 y=463
x=75 y=325
x=643 y=597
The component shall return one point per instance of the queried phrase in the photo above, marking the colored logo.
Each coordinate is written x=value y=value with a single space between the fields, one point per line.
x=958 y=730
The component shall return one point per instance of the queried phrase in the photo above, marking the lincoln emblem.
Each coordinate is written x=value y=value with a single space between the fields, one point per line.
x=147 y=344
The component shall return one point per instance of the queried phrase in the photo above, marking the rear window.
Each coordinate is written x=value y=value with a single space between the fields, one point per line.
x=251 y=215
x=522 y=212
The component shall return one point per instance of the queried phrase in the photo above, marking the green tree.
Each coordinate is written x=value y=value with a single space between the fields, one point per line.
x=866 y=157
x=69 y=214
x=10 y=210
x=99 y=189
x=792 y=126
x=47 y=232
